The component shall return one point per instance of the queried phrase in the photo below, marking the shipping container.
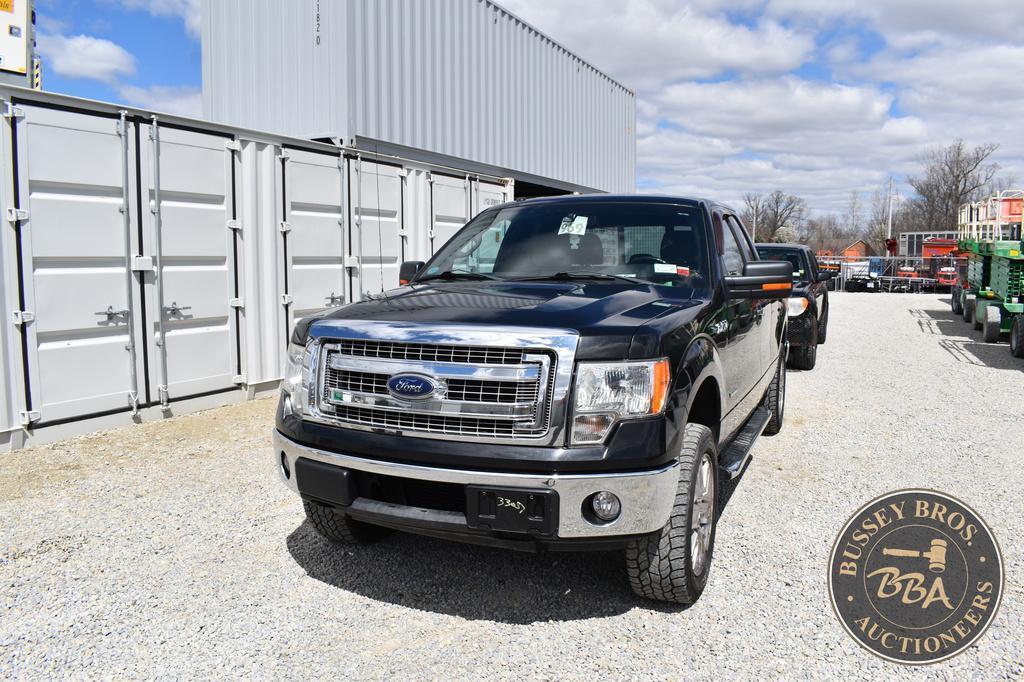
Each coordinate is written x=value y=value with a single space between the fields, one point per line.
x=458 y=82
x=154 y=264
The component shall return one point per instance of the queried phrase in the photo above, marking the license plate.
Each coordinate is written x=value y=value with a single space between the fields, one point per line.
x=512 y=510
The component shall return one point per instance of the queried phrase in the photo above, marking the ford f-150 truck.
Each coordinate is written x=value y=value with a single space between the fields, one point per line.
x=567 y=373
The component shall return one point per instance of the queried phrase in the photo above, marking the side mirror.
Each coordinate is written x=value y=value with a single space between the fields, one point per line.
x=766 y=279
x=824 y=276
x=408 y=270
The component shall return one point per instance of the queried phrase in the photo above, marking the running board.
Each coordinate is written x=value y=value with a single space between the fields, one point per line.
x=736 y=457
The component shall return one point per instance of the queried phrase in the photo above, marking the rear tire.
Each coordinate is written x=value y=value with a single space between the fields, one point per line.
x=1017 y=337
x=990 y=328
x=823 y=327
x=339 y=527
x=775 y=400
x=954 y=303
x=968 y=312
x=672 y=564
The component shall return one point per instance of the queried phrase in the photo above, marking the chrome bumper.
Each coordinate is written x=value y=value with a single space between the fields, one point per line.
x=647 y=497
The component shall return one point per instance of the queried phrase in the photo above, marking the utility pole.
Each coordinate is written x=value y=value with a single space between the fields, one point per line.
x=889 y=232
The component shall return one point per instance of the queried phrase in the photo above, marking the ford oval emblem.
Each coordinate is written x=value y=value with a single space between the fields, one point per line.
x=411 y=386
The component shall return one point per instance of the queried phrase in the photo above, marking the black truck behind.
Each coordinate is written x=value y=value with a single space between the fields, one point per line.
x=567 y=373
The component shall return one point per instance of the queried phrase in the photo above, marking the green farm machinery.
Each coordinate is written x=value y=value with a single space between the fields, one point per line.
x=990 y=294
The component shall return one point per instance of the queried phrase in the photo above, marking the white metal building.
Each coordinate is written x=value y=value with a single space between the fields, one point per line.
x=154 y=264
x=461 y=82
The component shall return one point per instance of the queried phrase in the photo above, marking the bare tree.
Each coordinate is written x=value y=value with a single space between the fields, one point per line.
x=853 y=218
x=952 y=175
x=877 y=225
x=780 y=210
x=753 y=214
x=821 y=232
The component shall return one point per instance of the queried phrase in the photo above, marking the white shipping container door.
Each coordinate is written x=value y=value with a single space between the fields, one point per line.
x=449 y=199
x=487 y=194
x=189 y=181
x=315 y=240
x=71 y=169
x=376 y=224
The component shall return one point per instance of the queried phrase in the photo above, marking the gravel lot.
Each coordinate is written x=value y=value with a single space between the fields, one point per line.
x=171 y=549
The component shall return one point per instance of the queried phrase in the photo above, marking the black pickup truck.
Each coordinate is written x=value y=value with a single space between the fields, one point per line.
x=807 y=306
x=567 y=373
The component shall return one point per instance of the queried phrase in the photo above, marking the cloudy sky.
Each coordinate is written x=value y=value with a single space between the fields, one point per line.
x=814 y=97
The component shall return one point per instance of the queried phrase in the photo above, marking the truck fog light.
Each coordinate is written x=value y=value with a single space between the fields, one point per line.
x=606 y=505
x=590 y=428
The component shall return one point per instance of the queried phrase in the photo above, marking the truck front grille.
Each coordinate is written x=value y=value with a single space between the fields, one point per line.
x=482 y=392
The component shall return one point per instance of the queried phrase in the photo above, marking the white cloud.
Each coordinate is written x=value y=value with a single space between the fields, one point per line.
x=84 y=56
x=647 y=43
x=170 y=99
x=189 y=11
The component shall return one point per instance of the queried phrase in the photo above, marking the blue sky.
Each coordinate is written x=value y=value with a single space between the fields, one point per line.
x=820 y=98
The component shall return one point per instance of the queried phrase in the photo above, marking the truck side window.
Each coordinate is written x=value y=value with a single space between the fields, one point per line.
x=741 y=237
x=732 y=258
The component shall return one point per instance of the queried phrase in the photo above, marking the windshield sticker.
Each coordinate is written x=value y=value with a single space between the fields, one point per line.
x=682 y=271
x=663 y=268
x=573 y=224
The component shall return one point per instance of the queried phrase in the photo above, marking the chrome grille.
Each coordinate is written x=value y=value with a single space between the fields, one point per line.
x=406 y=421
x=392 y=350
x=482 y=392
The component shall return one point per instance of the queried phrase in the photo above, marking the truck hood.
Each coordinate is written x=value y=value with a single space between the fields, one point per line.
x=606 y=315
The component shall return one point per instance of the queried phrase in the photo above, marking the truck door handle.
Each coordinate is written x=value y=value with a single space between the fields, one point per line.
x=112 y=315
x=174 y=310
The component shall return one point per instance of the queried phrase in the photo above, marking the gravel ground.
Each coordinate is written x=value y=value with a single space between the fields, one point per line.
x=170 y=549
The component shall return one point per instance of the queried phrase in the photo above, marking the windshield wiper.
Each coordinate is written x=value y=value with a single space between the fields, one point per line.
x=580 y=274
x=456 y=274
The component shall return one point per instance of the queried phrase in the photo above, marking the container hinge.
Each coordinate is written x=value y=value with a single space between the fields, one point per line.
x=29 y=417
x=352 y=262
x=133 y=401
x=430 y=177
x=20 y=317
x=235 y=225
x=16 y=215
x=236 y=303
x=142 y=263
x=284 y=155
x=239 y=379
x=285 y=227
x=165 y=397
x=12 y=111
x=403 y=172
x=233 y=145
x=286 y=299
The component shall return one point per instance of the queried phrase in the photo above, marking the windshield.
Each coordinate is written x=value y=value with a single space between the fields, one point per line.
x=658 y=243
x=794 y=256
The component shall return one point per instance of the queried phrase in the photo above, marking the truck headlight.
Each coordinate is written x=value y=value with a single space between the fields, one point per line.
x=607 y=392
x=297 y=377
x=796 y=306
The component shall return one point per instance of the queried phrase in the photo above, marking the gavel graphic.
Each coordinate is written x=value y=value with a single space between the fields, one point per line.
x=936 y=556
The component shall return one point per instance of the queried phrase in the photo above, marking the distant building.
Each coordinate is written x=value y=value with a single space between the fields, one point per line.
x=858 y=249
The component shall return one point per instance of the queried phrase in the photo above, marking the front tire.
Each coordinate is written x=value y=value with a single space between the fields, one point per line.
x=990 y=328
x=672 y=564
x=1017 y=337
x=955 y=304
x=339 y=527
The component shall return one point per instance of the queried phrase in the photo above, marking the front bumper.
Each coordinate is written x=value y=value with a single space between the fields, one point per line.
x=647 y=497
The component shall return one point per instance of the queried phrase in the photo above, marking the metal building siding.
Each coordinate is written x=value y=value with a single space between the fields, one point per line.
x=460 y=78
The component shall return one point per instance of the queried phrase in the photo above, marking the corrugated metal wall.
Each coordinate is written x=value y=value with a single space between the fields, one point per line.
x=154 y=264
x=460 y=78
